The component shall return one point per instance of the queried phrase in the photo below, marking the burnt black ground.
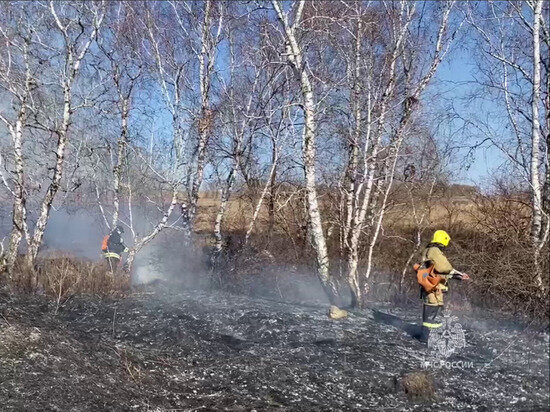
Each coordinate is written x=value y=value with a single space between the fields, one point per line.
x=166 y=349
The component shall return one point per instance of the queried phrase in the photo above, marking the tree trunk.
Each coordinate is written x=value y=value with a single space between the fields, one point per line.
x=205 y=119
x=47 y=201
x=352 y=256
x=19 y=212
x=260 y=200
x=350 y=187
x=295 y=60
x=139 y=244
x=315 y=220
x=224 y=200
x=371 y=205
x=19 y=208
x=546 y=186
x=536 y=194
x=72 y=67
x=204 y=134
x=117 y=171
x=272 y=181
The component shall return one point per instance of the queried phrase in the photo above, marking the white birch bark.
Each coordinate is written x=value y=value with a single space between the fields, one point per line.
x=545 y=25
x=170 y=84
x=371 y=201
x=19 y=208
x=263 y=194
x=121 y=152
x=350 y=242
x=362 y=200
x=19 y=225
x=162 y=223
x=296 y=61
x=536 y=187
x=207 y=60
x=522 y=20
x=73 y=61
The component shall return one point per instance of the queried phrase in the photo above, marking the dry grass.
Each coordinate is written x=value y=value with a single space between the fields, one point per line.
x=63 y=276
x=418 y=385
x=490 y=241
x=489 y=232
x=238 y=214
x=447 y=209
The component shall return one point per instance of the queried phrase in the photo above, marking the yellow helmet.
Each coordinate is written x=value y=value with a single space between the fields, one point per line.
x=442 y=237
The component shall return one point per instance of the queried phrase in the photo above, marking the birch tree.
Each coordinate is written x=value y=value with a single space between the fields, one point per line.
x=290 y=22
x=19 y=81
x=394 y=82
x=257 y=117
x=168 y=51
x=77 y=27
x=127 y=64
x=207 y=60
x=74 y=53
x=505 y=31
x=240 y=120
x=197 y=28
x=137 y=175
x=119 y=44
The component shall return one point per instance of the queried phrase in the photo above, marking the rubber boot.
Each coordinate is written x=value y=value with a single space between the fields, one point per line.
x=424 y=334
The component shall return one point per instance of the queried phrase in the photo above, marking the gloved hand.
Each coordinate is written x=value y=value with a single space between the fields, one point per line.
x=461 y=276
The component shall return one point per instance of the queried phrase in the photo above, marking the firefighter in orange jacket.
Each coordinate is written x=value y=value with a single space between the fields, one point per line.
x=113 y=247
x=439 y=271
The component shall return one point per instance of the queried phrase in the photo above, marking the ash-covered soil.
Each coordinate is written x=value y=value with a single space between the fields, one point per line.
x=166 y=349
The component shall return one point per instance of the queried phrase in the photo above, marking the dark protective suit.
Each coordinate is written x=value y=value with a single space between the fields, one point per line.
x=115 y=243
x=115 y=247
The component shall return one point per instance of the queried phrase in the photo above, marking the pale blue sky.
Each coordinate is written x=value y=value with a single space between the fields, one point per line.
x=456 y=76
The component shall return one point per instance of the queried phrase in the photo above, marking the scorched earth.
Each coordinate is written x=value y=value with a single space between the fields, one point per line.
x=166 y=349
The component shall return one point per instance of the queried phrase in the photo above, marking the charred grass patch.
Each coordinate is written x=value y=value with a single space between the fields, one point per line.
x=162 y=349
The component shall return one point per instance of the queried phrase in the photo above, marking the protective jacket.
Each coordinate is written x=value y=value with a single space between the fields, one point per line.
x=438 y=270
x=434 y=254
x=115 y=246
x=115 y=243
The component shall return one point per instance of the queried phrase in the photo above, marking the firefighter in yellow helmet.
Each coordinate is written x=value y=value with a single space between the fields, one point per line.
x=433 y=277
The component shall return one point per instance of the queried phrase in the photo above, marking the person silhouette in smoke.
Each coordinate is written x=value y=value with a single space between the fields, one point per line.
x=113 y=246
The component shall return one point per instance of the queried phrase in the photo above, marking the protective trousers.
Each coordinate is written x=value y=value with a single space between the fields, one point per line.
x=112 y=259
x=432 y=310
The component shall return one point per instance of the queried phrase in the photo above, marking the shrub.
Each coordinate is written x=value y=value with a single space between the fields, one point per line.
x=62 y=276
